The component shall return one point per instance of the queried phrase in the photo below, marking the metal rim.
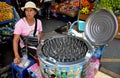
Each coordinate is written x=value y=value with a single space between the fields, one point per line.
x=51 y=61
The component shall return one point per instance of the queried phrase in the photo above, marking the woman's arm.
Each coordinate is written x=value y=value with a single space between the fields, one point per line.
x=15 y=48
x=40 y=36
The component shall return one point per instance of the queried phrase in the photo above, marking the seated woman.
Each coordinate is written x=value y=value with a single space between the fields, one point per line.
x=26 y=27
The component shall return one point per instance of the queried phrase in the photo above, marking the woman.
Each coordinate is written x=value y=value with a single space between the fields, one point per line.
x=25 y=27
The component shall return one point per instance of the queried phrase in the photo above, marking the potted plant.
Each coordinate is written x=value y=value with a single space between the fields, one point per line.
x=85 y=8
x=113 y=5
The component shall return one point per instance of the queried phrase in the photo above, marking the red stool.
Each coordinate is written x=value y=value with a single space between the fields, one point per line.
x=22 y=72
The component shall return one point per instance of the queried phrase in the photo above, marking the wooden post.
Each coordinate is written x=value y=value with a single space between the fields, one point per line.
x=118 y=33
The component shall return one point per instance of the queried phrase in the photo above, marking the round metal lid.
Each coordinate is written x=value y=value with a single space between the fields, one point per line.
x=101 y=27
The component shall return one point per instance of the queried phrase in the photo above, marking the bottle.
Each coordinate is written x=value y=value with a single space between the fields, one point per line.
x=97 y=53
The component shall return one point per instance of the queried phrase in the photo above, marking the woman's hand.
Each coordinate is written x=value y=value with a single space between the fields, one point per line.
x=17 y=60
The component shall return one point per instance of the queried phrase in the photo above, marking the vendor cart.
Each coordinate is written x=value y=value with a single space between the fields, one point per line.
x=8 y=18
x=69 y=56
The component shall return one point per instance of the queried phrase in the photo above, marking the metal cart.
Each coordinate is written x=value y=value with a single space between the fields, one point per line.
x=68 y=56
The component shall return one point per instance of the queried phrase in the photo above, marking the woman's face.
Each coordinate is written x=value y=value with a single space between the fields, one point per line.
x=30 y=13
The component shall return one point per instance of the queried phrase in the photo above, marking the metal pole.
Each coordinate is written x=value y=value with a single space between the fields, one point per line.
x=80 y=1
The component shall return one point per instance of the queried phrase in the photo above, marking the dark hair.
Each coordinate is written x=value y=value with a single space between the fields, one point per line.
x=36 y=15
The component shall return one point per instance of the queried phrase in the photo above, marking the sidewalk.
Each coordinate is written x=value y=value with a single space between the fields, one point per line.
x=102 y=75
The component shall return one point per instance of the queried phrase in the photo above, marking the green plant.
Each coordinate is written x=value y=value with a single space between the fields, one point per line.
x=107 y=4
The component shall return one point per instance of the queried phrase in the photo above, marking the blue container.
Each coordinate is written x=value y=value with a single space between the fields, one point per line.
x=81 y=25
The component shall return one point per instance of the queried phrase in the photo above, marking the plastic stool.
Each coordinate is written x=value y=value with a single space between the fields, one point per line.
x=21 y=71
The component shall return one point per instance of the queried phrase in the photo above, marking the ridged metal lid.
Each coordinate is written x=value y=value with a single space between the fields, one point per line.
x=101 y=27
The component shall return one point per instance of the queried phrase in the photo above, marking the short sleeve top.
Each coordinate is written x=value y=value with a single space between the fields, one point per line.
x=23 y=28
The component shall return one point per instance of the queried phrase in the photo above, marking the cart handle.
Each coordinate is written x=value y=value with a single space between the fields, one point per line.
x=81 y=25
